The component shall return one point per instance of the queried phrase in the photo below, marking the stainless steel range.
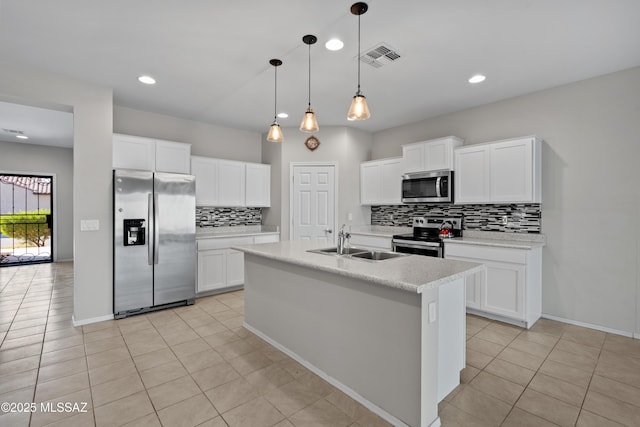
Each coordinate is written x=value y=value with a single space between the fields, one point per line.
x=428 y=235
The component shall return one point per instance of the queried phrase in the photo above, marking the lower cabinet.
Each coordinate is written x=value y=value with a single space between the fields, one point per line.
x=511 y=288
x=219 y=266
x=370 y=242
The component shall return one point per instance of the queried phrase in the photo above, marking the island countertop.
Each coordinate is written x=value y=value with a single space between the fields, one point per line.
x=410 y=273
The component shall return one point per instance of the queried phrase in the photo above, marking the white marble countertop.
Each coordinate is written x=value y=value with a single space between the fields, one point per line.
x=236 y=231
x=499 y=239
x=378 y=230
x=411 y=273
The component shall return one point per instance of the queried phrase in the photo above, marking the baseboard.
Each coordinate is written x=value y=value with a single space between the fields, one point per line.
x=592 y=326
x=219 y=291
x=83 y=322
x=337 y=384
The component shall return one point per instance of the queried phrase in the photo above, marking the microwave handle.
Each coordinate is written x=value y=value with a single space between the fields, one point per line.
x=438 y=186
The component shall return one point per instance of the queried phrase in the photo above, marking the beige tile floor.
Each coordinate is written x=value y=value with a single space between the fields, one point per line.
x=196 y=365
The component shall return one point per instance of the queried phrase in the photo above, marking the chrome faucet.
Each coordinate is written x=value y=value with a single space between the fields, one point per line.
x=343 y=240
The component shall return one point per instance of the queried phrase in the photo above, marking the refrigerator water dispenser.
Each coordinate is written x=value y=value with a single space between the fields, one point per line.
x=134 y=232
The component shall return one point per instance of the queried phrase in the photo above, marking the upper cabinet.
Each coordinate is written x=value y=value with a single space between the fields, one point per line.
x=173 y=157
x=435 y=154
x=135 y=152
x=506 y=171
x=471 y=180
x=231 y=183
x=257 y=185
x=205 y=170
x=381 y=182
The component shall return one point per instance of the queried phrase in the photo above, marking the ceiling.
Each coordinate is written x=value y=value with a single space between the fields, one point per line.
x=211 y=57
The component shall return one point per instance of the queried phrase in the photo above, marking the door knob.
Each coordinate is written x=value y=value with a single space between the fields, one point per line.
x=328 y=231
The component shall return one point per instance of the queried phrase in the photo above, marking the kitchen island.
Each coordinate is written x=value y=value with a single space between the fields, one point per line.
x=390 y=334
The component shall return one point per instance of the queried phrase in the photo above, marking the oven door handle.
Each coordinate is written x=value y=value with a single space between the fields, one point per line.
x=414 y=246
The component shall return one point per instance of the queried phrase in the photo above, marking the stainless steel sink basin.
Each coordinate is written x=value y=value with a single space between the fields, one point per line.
x=358 y=253
x=334 y=251
x=377 y=255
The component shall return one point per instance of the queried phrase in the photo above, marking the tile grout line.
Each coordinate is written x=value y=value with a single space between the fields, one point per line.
x=531 y=380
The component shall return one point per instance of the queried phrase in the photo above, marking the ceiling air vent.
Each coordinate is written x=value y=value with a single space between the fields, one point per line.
x=380 y=55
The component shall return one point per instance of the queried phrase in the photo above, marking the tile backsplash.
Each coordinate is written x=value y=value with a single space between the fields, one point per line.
x=226 y=217
x=520 y=218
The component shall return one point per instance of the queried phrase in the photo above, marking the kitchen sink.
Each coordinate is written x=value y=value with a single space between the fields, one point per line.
x=334 y=251
x=358 y=253
x=377 y=255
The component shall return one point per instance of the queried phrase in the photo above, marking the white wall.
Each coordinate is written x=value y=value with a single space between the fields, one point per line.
x=272 y=154
x=347 y=147
x=27 y=158
x=206 y=139
x=590 y=177
x=92 y=130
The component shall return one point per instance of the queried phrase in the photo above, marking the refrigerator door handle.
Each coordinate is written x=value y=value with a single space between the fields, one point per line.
x=156 y=230
x=150 y=227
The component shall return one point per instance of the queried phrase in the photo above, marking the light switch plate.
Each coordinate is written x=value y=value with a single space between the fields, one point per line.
x=89 y=225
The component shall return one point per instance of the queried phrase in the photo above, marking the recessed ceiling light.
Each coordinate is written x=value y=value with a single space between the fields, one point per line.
x=477 y=78
x=22 y=136
x=283 y=115
x=334 y=44
x=148 y=80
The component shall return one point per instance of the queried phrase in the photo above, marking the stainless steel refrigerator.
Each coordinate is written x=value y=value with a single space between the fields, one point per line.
x=154 y=248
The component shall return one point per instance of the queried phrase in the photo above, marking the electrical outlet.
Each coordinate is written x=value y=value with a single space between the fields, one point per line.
x=390 y=217
x=505 y=220
x=433 y=316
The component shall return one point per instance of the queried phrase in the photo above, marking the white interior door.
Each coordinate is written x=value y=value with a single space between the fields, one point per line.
x=313 y=203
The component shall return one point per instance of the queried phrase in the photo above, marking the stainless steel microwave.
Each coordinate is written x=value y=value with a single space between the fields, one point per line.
x=428 y=187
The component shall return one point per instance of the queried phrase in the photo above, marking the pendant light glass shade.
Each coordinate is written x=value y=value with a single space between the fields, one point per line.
x=309 y=122
x=359 y=109
x=275 y=132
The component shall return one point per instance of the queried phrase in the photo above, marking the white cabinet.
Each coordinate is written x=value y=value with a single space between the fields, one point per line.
x=515 y=171
x=235 y=267
x=510 y=290
x=435 y=154
x=471 y=180
x=257 y=185
x=135 y=152
x=212 y=269
x=206 y=172
x=231 y=183
x=473 y=285
x=506 y=171
x=219 y=266
x=370 y=242
x=381 y=182
x=173 y=157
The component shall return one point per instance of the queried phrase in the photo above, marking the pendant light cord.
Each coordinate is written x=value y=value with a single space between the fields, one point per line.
x=275 y=95
x=358 y=55
x=309 y=75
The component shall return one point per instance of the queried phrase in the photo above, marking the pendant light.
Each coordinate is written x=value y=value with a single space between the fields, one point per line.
x=275 y=132
x=309 y=122
x=359 y=109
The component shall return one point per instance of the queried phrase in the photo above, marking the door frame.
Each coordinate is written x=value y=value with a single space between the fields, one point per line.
x=54 y=205
x=292 y=166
